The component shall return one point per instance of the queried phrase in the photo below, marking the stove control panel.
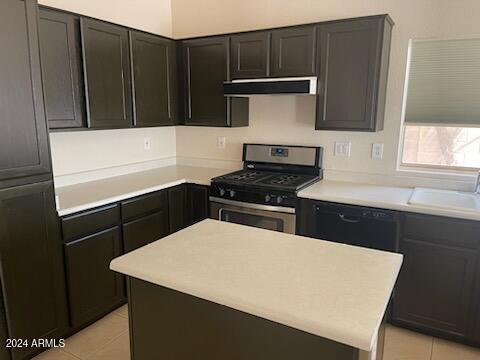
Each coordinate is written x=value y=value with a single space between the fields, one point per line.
x=267 y=197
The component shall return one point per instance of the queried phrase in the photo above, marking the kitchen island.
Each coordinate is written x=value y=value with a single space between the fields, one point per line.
x=219 y=290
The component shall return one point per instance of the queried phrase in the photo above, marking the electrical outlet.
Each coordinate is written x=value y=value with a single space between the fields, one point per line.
x=147 y=144
x=377 y=151
x=343 y=148
x=221 y=142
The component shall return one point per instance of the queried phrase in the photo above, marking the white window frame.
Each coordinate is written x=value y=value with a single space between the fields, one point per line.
x=425 y=169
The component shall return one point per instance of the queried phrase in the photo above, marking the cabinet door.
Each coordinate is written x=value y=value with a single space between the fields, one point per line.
x=177 y=202
x=24 y=154
x=61 y=69
x=143 y=231
x=4 y=351
x=293 y=51
x=353 y=61
x=250 y=55
x=93 y=288
x=106 y=68
x=153 y=79
x=205 y=68
x=476 y=307
x=197 y=203
x=32 y=273
x=435 y=287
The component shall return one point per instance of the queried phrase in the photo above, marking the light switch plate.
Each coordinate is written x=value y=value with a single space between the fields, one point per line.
x=221 y=142
x=377 y=151
x=343 y=148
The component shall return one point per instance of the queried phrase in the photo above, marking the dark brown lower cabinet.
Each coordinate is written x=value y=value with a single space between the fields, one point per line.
x=476 y=326
x=167 y=324
x=4 y=351
x=143 y=231
x=92 y=287
x=93 y=238
x=197 y=203
x=177 y=202
x=435 y=292
x=476 y=334
x=32 y=273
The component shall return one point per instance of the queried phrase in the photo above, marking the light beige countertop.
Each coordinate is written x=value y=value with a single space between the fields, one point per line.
x=332 y=290
x=79 y=197
x=378 y=196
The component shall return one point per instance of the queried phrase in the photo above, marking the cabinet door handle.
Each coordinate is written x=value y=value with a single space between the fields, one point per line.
x=348 y=219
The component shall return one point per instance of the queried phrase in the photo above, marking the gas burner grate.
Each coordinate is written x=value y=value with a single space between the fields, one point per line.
x=244 y=176
x=286 y=179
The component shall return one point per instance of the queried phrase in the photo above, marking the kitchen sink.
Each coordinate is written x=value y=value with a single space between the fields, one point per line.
x=445 y=199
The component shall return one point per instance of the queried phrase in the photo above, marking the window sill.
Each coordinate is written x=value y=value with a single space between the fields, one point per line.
x=445 y=174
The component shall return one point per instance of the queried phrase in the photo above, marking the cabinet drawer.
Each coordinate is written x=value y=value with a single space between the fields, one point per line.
x=142 y=205
x=78 y=225
x=442 y=230
x=143 y=231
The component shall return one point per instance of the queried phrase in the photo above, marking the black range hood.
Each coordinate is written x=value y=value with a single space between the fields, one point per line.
x=271 y=86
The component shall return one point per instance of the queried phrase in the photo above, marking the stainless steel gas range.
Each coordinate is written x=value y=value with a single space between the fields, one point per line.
x=264 y=192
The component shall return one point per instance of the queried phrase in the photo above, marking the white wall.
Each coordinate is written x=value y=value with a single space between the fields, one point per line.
x=290 y=119
x=149 y=15
x=78 y=152
x=81 y=151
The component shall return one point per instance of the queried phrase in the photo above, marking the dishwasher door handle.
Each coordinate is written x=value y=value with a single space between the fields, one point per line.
x=348 y=219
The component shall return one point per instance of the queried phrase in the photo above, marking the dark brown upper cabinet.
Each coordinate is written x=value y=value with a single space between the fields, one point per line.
x=153 y=79
x=353 y=58
x=106 y=68
x=61 y=69
x=206 y=67
x=250 y=54
x=293 y=51
x=24 y=150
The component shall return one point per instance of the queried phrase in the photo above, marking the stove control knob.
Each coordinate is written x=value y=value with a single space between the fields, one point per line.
x=267 y=198
x=232 y=193
x=279 y=199
x=222 y=191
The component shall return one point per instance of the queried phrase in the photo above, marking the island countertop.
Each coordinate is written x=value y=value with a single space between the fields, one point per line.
x=332 y=290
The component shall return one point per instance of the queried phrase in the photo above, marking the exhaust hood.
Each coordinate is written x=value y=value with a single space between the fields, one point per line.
x=271 y=86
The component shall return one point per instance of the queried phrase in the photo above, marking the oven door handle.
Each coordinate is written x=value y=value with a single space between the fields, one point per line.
x=245 y=212
x=253 y=206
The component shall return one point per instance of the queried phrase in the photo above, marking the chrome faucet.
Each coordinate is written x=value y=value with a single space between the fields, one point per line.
x=477 y=186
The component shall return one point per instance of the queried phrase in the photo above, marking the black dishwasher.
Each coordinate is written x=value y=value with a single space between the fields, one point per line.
x=356 y=225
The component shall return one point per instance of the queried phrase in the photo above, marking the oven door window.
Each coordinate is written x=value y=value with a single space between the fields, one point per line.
x=244 y=218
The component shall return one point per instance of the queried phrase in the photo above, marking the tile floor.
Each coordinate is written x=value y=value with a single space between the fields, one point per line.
x=107 y=339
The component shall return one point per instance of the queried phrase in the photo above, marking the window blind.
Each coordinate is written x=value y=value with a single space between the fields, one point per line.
x=444 y=82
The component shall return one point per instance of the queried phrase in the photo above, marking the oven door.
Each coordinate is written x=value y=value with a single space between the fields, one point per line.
x=275 y=218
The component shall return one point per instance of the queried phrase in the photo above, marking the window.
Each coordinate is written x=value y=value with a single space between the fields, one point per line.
x=441 y=146
x=442 y=105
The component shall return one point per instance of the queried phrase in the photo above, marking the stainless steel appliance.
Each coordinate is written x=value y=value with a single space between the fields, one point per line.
x=264 y=192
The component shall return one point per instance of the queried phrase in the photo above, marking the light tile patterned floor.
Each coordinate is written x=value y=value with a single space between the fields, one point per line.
x=107 y=339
